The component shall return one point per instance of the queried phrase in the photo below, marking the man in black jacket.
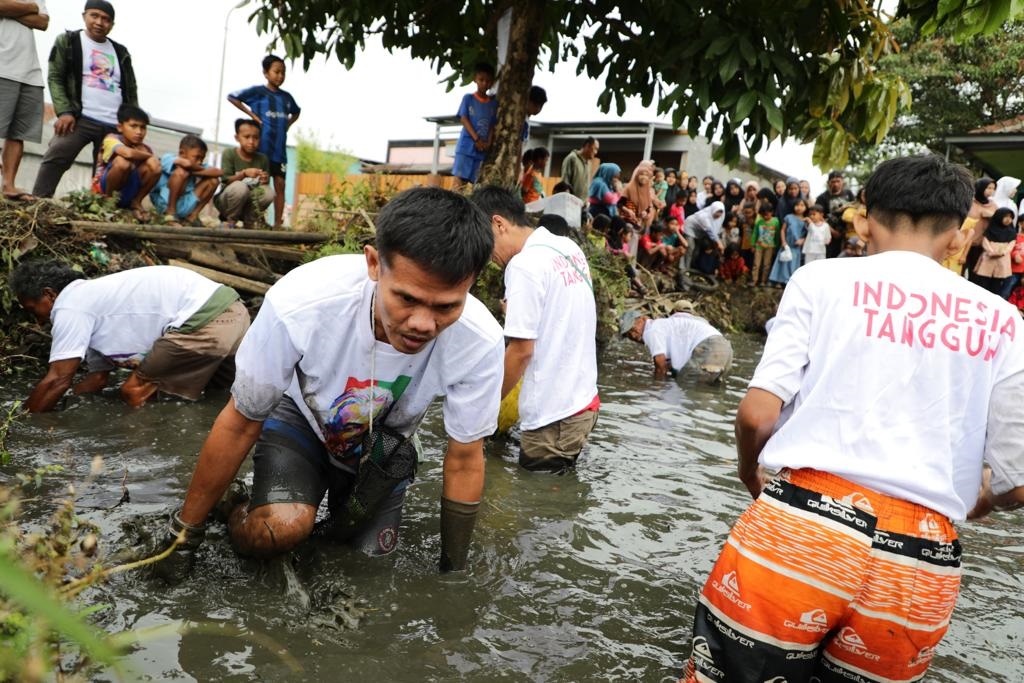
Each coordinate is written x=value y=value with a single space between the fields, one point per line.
x=90 y=77
x=835 y=200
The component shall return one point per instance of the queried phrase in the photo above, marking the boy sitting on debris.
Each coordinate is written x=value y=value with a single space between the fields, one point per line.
x=186 y=184
x=126 y=165
x=245 y=175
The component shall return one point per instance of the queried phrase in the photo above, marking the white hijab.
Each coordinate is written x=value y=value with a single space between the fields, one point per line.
x=1006 y=188
x=705 y=222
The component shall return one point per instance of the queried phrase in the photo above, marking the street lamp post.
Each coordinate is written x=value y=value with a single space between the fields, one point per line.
x=220 y=82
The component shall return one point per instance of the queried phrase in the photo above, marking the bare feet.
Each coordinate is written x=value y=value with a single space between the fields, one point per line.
x=13 y=194
x=141 y=215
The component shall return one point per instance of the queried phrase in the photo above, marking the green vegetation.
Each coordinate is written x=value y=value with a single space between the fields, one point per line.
x=41 y=634
x=314 y=158
x=956 y=87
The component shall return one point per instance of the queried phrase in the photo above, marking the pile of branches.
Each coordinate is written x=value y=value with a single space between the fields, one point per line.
x=42 y=229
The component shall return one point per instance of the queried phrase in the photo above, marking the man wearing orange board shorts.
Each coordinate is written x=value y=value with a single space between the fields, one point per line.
x=885 y=385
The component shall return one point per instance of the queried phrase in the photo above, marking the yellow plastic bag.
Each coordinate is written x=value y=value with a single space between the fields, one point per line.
x=508 y=414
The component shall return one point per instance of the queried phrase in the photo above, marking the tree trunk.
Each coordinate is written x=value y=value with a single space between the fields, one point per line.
x=503 y=161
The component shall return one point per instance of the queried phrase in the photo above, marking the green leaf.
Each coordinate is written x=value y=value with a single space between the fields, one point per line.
x=729 y=66
x=21 y=588
x=773 y=114
x=745 y=105
x=747 y=50
x=719 y=45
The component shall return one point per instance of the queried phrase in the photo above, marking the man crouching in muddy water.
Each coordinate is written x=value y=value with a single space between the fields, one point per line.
x=175 y=329
x=335 y=375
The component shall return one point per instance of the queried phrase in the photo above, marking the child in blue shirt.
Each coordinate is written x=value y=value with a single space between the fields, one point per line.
x=186 y=184
x=276 y=110
x=478 y=113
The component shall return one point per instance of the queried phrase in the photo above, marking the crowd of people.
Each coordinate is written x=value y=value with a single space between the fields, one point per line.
x=95 y=97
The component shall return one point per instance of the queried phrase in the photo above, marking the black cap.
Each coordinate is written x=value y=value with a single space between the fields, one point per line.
x=101 y=5
x=835 y=174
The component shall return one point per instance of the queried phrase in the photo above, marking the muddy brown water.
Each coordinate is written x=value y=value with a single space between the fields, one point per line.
x=590 y=576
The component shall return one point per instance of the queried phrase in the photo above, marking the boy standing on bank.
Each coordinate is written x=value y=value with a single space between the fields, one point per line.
x=245 y=174
x=276 y=111
x=186 y=184
x=127 y=165
x=856 y=530
x=551 y=326
x=478 y=113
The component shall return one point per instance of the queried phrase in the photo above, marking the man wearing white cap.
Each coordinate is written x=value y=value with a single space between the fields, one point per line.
x=683 y=344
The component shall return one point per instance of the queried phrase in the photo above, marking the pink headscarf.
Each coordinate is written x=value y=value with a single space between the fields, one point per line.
x=642 y=197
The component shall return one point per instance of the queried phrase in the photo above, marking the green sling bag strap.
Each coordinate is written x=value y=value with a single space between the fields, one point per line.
x=586 y=278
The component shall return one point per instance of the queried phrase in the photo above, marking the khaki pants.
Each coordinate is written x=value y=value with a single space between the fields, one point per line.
x=238 y=201
x=763 y=259
x=710 y=361
x=183 y=363
x=557 y=445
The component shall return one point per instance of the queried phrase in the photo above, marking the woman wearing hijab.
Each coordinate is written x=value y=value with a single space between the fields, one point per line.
x=767 y=194
x=993 y=267
x=750 y=192
x=691 y=206
x=703 y=229
x=672 y=178
x=1006 y=191
x=602 y=198
x=717 y=194
x=982 y=208
x=733 y=195
x=639 y=194
x=788 y=200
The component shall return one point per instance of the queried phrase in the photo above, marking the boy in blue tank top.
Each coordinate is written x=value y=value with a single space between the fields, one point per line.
x=276 y=110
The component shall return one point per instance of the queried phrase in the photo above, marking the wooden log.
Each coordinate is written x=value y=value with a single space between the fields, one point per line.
x=202 y=257
x=239 y=283
x=274 y=252
x=226 y=234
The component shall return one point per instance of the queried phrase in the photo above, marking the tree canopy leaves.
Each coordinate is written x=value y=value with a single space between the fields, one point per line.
x=748 y=71
x=956 y=87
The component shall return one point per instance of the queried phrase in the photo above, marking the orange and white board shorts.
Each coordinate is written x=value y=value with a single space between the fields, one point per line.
x=822 y=580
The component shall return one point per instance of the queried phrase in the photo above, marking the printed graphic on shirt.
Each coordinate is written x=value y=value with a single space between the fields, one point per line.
x=349 y=414
x=101 y=71
x=931 y=319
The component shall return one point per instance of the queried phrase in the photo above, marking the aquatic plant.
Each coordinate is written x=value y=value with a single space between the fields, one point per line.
x=13 y=412
x=40 y=633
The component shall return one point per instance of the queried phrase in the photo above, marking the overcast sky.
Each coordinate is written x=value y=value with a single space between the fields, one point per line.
x=176 y=49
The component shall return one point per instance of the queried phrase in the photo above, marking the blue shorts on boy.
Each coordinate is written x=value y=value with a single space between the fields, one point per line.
x=160 y=195
x=273 y=108
x=127 y=194
x=482 y=115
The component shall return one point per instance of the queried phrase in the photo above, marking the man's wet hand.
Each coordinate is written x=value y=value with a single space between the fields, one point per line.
x=178 y=542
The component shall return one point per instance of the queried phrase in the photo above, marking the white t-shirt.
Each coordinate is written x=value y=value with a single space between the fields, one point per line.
x=114 y=319
x=18 y=59
x=312 y=340
x=550 y=300
x=818 y=235
x=101 y=81
x=886 y=366
x=676 y=337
